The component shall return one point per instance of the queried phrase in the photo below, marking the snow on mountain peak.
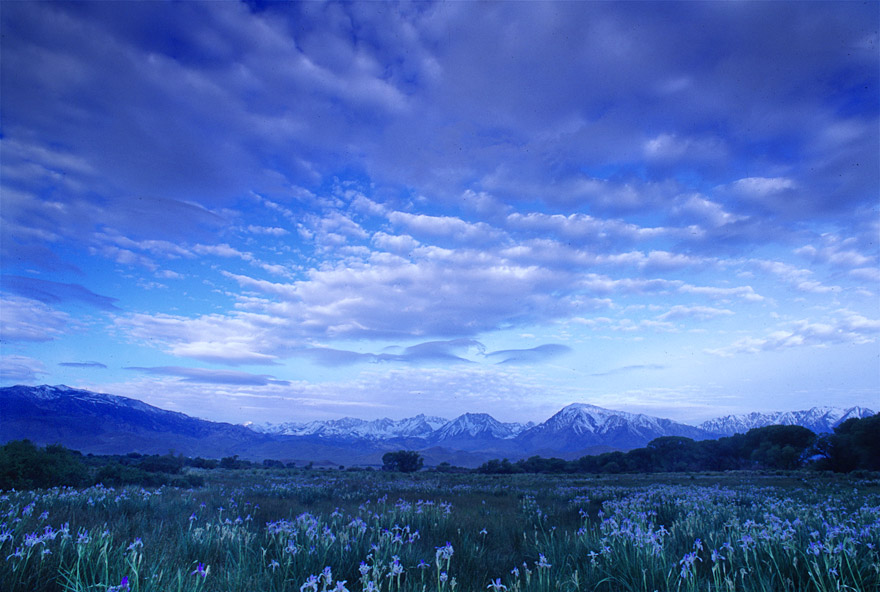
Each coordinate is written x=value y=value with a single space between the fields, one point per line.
x=818 y=419
x=477 y=424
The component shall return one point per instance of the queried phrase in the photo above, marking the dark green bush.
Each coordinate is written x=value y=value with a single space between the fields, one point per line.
x=25 y=466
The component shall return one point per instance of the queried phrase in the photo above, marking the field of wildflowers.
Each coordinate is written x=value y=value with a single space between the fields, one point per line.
x=321 y=531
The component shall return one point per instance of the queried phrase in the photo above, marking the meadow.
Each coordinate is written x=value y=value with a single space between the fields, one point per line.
x=320 y=531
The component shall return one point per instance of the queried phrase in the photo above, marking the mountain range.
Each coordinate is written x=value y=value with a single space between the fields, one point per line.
x=108 y=424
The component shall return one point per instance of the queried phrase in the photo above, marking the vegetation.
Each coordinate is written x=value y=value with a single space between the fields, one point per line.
x=76 y=523
x=290 y=529
x=854 y=445
x=405 y=461
x=24 y=466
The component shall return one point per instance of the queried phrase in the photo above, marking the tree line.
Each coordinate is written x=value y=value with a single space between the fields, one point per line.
x=854 y=445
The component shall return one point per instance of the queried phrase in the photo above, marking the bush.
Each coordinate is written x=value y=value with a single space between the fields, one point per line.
x=24 y=466
x=405 y=461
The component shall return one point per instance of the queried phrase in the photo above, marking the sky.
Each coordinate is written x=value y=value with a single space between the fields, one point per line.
x=287 y=212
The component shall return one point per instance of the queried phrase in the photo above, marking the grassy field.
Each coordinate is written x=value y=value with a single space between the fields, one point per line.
x=318 y=531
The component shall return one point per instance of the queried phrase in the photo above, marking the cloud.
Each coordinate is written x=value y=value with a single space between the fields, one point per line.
x=207 y=376
x=15 y=369
x=535 y=355
x=745 y=292
x=847 y=327
x=835 y=255
x=586 y=229
x=446 y=227
x=701 y=313
x=50 y=292
x=241 y=338
x=631 y=368
x=399 y=244
x=450 y=351
x=432 y=351
x=671 y=147
x=23 y=319
x=83 y=365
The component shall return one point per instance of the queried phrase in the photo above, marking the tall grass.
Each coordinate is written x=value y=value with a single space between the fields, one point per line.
x=308 y=531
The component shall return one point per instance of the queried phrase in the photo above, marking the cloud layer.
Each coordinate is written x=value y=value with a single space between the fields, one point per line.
x=611 y=197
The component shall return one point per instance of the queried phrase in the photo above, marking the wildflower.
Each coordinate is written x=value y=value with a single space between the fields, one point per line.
x=444 y=552
x=123 y=585
x=515 y=572
x=273 y=565
x=443 y=576
x=18 y=554
x=396 y=568
x=422 y=565
x=327 y=576
x=717 y=556
x=687 y=563
x=371 y=587
x=340 y=586
x=496 y=586
x=310 y=584
x=542 y=563
x=201 y=570
x=364 y=568
x=136 y=544
x=484 y=532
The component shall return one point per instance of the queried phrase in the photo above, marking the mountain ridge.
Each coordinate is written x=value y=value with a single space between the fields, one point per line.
x=110 y=424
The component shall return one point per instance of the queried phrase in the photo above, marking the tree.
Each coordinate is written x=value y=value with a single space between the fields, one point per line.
x=855 y=444
x=405 y=461
x=778 y=446
x=24 y=466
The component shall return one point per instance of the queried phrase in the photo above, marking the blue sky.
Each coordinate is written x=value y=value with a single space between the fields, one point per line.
x=260 y=212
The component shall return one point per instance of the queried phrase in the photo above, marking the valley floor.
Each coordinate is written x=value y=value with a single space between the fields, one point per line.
x=258 y=530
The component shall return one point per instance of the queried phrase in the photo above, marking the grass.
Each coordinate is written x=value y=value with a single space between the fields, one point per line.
x=322 y=530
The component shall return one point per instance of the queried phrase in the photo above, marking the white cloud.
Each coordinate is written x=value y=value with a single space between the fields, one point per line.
x=586 y=228
x=267 y=230
x=745 y=292
x=400 y=244
x=241 y=338
x=23 y=319
x=759 y=187
x=701 y=313
x=847 y=327
x=21 y=369
x=672 y=147
x=834 y=255
x=446 y=227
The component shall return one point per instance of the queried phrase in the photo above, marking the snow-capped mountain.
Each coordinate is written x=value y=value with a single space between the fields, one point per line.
x=580 y=426
x=420 y=426
x=818 y=419
x=108 y=424
x=64 y=393
x=478 y=425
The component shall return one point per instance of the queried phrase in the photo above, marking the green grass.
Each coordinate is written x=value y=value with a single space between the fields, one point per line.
x=323 y=530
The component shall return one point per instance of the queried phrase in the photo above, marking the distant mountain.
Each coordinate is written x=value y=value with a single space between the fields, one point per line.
x=477 y=425
x=580 y=426
x=818 y=419
x=108 y=424
x=420 y=426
